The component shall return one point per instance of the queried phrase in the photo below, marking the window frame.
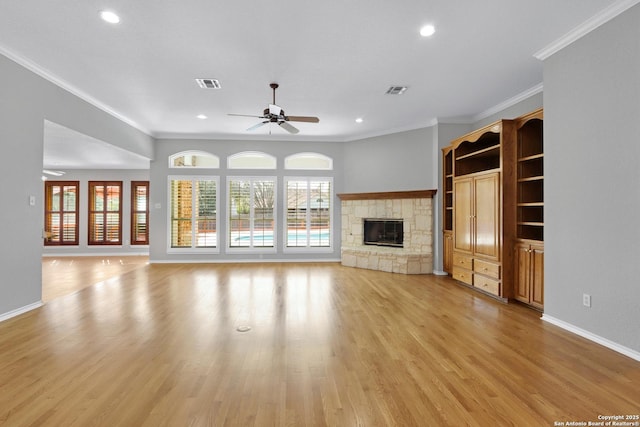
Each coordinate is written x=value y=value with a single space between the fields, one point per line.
x=192 y=249
x=48 y=201
x=308 y=248
x=251 y=248
x=104 y=212
x=135 y=212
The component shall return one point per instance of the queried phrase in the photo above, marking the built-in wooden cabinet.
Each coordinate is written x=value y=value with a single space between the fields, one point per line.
x=529 y=239
x=493 y=209
x=529 y=274
x=482 y=193
x=447 y=258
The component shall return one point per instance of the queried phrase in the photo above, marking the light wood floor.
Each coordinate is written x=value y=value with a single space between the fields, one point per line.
x=157 y=346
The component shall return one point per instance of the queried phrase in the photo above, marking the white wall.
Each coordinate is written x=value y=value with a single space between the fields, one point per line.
x=592 y=181
x=84 y=176
x=26 y=100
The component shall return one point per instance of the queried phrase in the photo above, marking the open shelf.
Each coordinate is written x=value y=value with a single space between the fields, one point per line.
x=531 y=232
x=447 y=224
x=478 y=156
x=530 y=180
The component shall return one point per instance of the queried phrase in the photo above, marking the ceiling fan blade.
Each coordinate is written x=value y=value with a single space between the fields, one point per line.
x=258 y=125
x=289 y=128
x=274 y=109
x=302 y=119
x=245 y=115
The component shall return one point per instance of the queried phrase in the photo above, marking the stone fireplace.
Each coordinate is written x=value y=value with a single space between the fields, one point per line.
x=413 y=208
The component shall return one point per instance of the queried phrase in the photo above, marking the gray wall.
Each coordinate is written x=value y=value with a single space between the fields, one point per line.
x=26 y=100
x=84 y=176
x=280 y=149
x=396 y=162
x=592 y=181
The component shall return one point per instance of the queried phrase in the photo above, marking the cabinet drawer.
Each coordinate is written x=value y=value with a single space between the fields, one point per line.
x=463 y=261
x=486 y=268
x=486 y=284
x=463 y=275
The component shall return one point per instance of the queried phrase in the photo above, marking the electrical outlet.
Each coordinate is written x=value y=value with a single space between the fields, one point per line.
x=586 y=300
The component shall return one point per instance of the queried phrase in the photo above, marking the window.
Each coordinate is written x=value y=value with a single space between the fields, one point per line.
x=61 y=213
x=105 y=212
x=194 y=159
x=309 y=212
x=308 y=161
x=140 y=212
x=194 y=212
x=251 y=212
x=251 y=160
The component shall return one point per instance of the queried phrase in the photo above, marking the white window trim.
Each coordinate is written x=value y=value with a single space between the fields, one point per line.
x=308 y=249
x=193 y=250
x=244 y=249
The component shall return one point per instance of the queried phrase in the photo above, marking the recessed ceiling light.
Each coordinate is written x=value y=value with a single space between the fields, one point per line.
x=109 y=17
x=201 y=116
x=359 y=120
x=427 y=30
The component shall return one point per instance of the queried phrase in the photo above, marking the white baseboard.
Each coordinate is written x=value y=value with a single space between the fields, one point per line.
x=234 y=261
x=440 y=273
x=19 y=311
x=95 y=254
x=593 y=337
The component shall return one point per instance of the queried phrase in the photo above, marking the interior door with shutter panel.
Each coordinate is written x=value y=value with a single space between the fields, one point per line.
x=463 y=203
x=487 y=215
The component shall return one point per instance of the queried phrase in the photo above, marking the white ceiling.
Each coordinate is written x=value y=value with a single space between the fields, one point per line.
x=65 y=148
x=333 y=59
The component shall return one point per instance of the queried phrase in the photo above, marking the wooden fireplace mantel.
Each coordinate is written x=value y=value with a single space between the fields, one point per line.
x=412 y=194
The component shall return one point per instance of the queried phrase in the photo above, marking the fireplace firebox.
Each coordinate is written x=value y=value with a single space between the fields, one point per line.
x=383 y=232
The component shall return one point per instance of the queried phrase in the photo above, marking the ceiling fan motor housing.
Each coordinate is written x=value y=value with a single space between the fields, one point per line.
x=273 y=117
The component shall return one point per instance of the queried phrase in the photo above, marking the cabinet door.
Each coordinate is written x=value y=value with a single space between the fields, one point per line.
x=522 y=268
x=487 y=215
x=448 y=252
x=462 y=206
x=537 y=275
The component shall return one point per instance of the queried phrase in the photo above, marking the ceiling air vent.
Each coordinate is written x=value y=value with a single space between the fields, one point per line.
x=396 y=90
x=208 y=83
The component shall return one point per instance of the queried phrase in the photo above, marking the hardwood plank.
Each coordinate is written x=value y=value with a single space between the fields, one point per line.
x=65 y=275
x=330 y=345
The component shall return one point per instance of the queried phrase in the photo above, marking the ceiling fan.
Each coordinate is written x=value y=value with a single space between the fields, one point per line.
x=275 y=114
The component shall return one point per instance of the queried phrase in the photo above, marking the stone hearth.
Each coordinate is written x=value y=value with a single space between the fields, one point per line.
x=416 y=210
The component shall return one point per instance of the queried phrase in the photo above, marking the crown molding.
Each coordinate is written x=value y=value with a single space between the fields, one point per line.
x=586 y=27
x=509 y=102
x=47 y=75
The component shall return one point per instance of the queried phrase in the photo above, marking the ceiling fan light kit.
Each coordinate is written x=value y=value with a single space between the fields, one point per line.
x=275 y=114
